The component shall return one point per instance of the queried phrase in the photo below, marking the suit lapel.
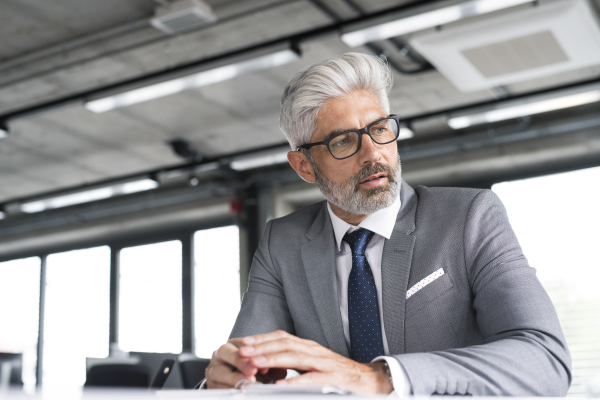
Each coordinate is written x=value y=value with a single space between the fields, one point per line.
x=318 y=257
x=395 y=270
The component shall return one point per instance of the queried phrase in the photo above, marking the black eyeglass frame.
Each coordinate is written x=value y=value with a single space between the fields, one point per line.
x=360 y=132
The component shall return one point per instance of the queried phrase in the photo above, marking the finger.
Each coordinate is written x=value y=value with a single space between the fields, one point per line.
x=229 y=354
x=222 y=374
x=295 y=360
x=286 y=343
x=265 y=337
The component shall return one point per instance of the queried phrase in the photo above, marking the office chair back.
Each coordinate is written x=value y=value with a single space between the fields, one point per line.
x=118 y=375
x=192 y=371
x=10 y=369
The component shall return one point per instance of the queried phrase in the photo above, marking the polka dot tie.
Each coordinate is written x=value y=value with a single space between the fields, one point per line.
x=363 y=310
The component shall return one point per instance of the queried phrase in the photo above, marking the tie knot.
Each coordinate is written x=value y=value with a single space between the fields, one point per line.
x=358 y=240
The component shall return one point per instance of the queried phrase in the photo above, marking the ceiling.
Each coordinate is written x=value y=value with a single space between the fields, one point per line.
x=53 y=52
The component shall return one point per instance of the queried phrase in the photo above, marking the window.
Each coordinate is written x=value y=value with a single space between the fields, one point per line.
x=217 y=286
x=76 y=321
x=19 y=312
x=556 y=219
x=150 y=304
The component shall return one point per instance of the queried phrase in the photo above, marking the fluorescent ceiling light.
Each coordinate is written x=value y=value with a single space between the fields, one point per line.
x=259 y=160
x=426 y=20
x=88 y=196
x=405 y=133
x=195 y=80
x=2 y=215
x=522 y=110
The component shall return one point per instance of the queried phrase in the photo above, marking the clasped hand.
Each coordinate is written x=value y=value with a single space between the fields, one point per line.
x=266 y=357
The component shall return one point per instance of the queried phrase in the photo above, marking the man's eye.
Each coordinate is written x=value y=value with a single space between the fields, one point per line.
x=341 y=142
x=378 y=131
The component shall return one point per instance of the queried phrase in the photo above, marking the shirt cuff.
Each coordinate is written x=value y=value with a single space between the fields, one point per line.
x=400 y=382
x=201 y=385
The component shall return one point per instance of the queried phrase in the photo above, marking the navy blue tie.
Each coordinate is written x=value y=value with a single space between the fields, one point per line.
x=363 y=310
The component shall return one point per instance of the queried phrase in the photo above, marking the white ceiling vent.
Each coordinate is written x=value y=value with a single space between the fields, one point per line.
x=554 y=37
x=182 y=15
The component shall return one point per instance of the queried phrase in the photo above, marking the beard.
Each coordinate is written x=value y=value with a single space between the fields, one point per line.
x=350 y=197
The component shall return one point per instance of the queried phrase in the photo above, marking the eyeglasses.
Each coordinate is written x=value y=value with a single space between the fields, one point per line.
x=347 y=144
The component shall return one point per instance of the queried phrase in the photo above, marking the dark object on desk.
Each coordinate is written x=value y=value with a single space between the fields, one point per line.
x=163 y=373
x=118 y=375
x=14 y=361
x=192 y=371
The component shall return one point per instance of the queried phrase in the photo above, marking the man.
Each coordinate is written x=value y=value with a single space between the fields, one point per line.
x=384 y=287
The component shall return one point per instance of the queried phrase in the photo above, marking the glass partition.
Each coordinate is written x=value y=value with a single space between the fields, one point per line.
x=556 y=219
x=19 y=313
x=150 y=304
x=76 y=321
x=216 y=286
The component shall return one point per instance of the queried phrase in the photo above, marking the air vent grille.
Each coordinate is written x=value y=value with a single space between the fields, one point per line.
x=519 y=54
x=519 y=45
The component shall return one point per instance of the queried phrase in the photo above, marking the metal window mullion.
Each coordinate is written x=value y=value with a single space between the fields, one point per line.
x=187 y=293
x=114 y=296
x=42 y=314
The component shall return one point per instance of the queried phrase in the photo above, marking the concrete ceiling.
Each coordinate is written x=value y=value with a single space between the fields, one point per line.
x=53 y=50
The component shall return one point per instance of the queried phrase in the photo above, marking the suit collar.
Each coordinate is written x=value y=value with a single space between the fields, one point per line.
x=320 y=222
x=405 y=221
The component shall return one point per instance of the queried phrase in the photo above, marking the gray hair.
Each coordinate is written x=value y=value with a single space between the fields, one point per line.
x=311 y=87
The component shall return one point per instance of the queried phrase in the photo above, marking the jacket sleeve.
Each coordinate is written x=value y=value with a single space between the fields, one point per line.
x=524 y=352
x=264 y=307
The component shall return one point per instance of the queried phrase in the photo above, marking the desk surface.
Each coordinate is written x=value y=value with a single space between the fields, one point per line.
x=112 y=394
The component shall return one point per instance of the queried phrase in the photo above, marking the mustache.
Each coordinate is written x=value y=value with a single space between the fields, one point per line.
x=371 y=169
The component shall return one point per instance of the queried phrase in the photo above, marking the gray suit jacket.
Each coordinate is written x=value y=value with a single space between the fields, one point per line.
x=486 y=327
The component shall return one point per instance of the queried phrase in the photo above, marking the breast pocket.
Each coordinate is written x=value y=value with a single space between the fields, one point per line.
x=428 y=293
x=429 y=315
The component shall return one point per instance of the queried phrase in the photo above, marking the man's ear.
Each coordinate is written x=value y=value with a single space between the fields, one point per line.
x=301 y=165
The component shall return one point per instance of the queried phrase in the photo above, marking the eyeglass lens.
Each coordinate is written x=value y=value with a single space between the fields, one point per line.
x=346 y=144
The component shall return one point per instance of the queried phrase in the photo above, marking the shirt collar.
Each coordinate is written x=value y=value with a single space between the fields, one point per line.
x=381 y=222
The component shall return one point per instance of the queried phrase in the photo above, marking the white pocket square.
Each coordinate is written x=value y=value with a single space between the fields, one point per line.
x=424 y=282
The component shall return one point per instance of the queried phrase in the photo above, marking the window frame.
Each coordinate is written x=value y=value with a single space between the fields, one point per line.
x=184 y=234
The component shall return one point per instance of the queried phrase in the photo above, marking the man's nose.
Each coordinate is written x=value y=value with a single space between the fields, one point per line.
x=369 y=150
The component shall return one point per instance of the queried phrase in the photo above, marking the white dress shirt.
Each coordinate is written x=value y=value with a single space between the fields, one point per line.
x=382 y=223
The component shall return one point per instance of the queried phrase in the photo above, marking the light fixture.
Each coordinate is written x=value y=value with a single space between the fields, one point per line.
x=405 y=133
x=268 y=58
x=2 y=215
x=88 y=195
x=428 y=19
x=525 y=109
x=262 y=159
